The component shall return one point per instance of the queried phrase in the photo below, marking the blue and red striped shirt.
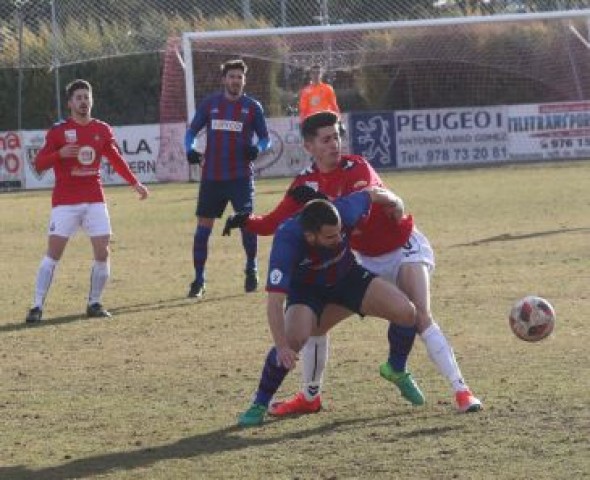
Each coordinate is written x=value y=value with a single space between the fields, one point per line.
x=293 y=259
x=231 y=126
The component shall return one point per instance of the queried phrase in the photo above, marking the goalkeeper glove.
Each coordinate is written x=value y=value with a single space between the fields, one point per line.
x=304 y=193
x=237 y=220
x=194 y=158
x=251 y=152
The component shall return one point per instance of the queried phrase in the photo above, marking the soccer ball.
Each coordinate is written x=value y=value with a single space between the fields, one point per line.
x=532 y=318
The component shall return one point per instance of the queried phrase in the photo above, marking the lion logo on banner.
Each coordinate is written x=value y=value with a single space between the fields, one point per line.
x=374 y=139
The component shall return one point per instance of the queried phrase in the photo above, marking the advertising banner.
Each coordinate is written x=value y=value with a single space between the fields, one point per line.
x=139 y=145
x=171 y=165
x=444 y=137
x=373 y=137
x=387 y=139
x=32 y=142
x=287 y=155
x=550 y=131
x=11 y=166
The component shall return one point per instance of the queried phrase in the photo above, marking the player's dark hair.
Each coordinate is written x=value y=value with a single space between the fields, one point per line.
x=316 y=214
x=311 y=125
x=77 y=84
x=237 y=64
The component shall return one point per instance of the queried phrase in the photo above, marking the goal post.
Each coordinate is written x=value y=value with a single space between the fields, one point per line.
x=292 y=38
x=385 y=73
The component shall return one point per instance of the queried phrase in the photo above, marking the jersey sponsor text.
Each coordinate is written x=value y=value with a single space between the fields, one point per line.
x=227 y=125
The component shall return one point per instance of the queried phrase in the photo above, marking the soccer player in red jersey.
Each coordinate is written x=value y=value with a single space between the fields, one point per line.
x=74 y=148
x=389 y=247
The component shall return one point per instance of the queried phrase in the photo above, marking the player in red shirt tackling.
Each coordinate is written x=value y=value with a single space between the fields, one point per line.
x=391 y=248
x=74 y=148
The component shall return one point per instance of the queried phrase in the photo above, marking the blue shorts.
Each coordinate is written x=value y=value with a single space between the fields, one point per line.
x=215 y=194
x=348 y=292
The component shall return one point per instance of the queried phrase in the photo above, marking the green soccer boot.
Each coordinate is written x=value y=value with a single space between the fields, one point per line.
x=252 y=417
x=404 y=381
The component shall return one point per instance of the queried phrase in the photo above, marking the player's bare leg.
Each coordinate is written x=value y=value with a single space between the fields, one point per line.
x=314 y=357
x=384 y=300
x=99 y=276
x=299 y=321
x=414 y=280
x=315 y=352
x=55 y=247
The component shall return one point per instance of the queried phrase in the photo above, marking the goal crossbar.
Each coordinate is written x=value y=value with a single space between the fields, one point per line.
x=189 y=37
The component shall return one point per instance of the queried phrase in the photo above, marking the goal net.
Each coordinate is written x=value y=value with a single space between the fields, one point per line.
x=404 y=65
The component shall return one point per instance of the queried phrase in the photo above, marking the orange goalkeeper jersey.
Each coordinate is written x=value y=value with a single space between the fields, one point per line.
x=316 y=98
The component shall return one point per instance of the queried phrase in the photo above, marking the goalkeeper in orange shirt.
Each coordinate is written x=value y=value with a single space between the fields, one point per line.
x=317 y=96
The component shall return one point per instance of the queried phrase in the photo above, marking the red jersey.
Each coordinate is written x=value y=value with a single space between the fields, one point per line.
x=77 y=180
x=376 y=235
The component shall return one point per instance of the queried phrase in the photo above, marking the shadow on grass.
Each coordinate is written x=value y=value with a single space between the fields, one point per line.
x=231 y=438
x=430 y=432
x=170 y=303
x=509 y=237
x=165 y=304
x=13 y=327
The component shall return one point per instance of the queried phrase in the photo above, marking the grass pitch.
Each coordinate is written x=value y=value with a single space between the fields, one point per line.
x=153 y=393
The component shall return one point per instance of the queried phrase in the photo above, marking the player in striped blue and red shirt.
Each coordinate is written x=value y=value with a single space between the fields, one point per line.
x=232 y=119
x=312 y=269
x=308 y=265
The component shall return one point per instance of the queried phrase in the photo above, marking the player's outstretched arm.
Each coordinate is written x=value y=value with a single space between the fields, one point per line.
x=286 y=356
x=268 y=223
x=236 y=220
x=304 y=193
x=193 y=157
x=113 y=155
x=141 y=190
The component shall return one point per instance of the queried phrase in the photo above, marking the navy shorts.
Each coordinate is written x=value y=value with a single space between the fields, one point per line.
x=214 y=196
x=348 y=292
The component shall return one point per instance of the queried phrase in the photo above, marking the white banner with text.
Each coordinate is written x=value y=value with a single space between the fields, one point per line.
x=551 y=131
x=11 y=164
x=443 y=137
x=389 y=139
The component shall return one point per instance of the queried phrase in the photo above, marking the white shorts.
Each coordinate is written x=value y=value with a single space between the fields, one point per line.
x=416 y=250
x=93 y=218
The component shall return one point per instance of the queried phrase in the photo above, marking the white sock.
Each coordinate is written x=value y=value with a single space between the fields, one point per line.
x=442 y=355
x=44 y=277
x=98 y=279
x=315 y=358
